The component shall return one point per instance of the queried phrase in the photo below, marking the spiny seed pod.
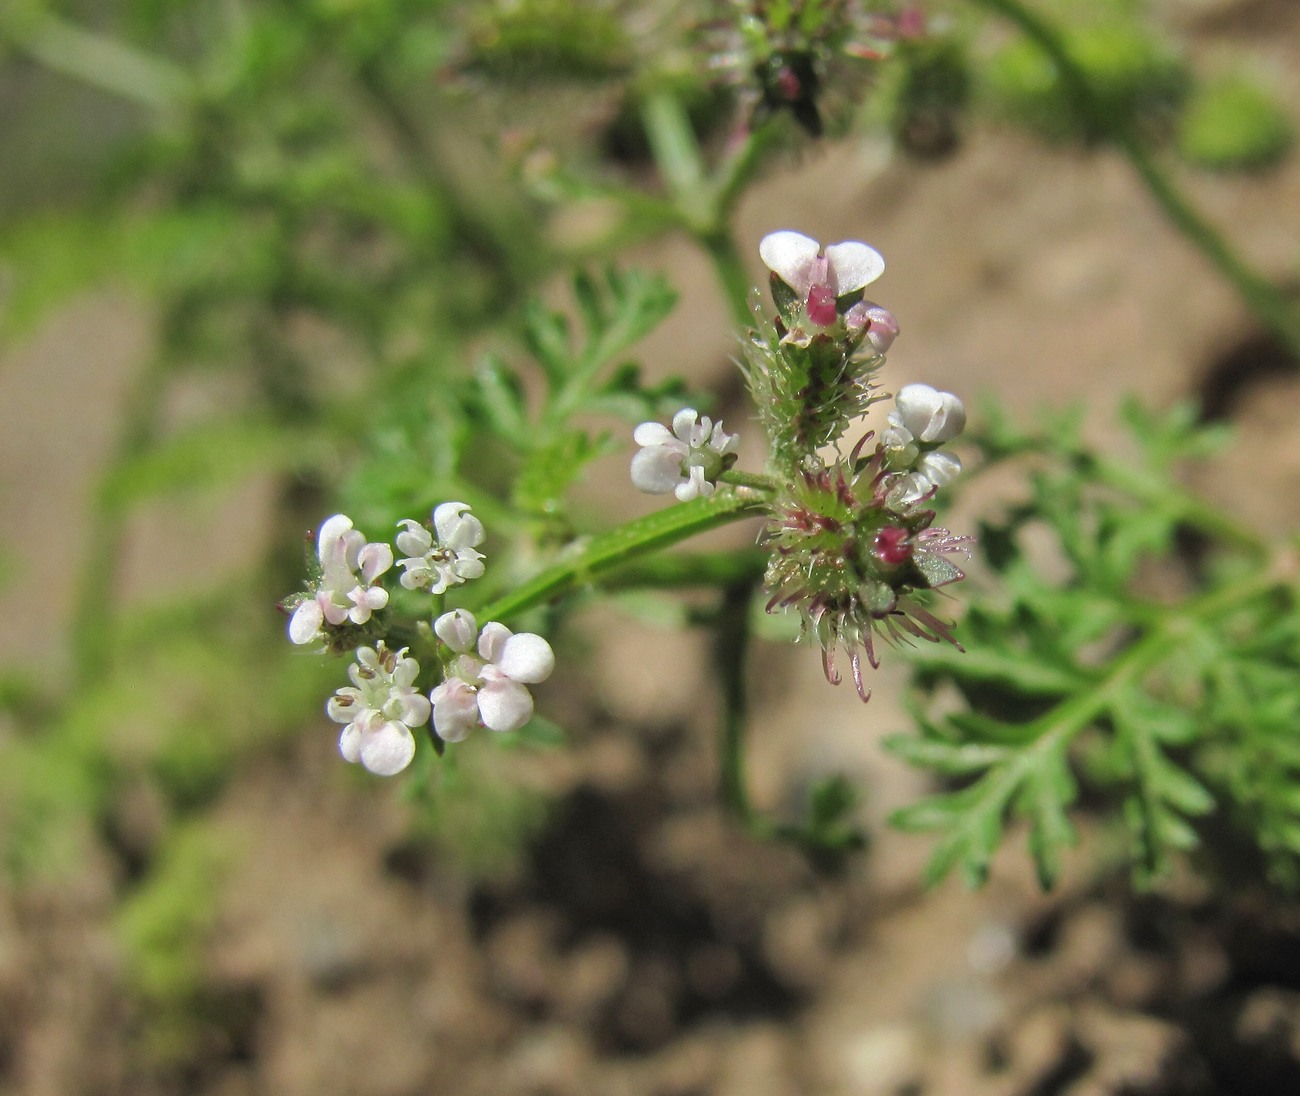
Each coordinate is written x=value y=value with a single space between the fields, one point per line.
x=850 y=554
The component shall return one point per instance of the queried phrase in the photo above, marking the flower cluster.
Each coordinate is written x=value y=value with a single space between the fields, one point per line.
x=487 y=677
x=852 y=542
x=813 y=375
x=345 y=591
x=922 y=420
x=686 y=460
x=384 y=703
x=379 y=709
x=446 y=557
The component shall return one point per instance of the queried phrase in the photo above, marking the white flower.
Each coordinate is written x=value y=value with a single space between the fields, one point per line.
x=379 y=709
x=487 y=689
x=450 y=559
x=346 y=590
x=930 y=416
x=819 y=275
x=932 y=471
x=686 y=460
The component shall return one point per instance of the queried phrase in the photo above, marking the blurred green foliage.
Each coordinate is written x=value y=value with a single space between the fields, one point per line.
x=1234 y=124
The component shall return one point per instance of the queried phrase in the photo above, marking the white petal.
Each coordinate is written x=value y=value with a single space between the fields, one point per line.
x=684 y=425
x=345 y=705
x=458 y=629
x=388 y=749
x=374 y=560
x=504 y=705
x=457 y=528
x=350 y=743
x=696 y=486
x=414 y=539
x=492 y=640
x=658 y=469
x=455 y=710
x=411 y=708
x=305 y=624
x=653 y=433
x=527 y=657
x=332 y=530
x=468 y=564
x=854 y=266
x=939 y=467
x=788 y=255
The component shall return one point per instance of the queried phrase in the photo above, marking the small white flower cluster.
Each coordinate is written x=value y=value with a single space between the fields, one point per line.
x=379 y=709
x=488 y=672
x=346 y=592
x=686 y=460
x=487 y=689
x=922 y=420
x=436 y=562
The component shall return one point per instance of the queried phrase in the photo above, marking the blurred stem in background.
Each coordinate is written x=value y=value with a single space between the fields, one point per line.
x=1270 y=304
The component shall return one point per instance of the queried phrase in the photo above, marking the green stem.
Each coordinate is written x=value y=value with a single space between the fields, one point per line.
x=624 y=544
x=704 y=204
x=1265 y=299
x=98 y=60
x=95 y=610
x=730 y=654
x=674 y=571
x=734 y=278
x=677 y=155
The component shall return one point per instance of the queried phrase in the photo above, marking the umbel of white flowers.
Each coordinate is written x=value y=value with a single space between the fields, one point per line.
x=346 y=591
x=686 y=460
x=486 y=683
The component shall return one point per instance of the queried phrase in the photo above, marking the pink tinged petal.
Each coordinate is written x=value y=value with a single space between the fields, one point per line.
x=789 y=255
x=504 y=705
x=333 y=532
x=334 y=612
x=653 y=433
x=492 y=640
x=388 y=748
x=455 y=710
x=457 y=629
x=374 y=560
x=411 y=708
x=350 y=743
x=365 y=602
x=854 y=266
x=882 y=328
x=527 y=658
x=305 y=624
x=821 y=306
x=657 y=470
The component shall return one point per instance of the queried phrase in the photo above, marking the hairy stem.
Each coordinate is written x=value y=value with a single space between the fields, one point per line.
x=624 y=544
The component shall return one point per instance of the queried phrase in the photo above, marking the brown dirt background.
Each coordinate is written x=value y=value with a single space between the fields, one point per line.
x=643 y=946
